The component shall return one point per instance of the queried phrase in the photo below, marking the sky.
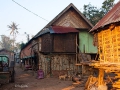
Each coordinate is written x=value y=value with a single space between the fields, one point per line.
x=31 y=23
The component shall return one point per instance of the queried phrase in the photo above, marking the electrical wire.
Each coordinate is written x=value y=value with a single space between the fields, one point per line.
x=29 y=10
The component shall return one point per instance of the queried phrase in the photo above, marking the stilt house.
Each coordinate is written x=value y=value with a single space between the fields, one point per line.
x=107 y=39
x=55 y=48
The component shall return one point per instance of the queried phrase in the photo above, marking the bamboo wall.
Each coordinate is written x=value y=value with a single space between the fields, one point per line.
x=109 y=45
x=57 y=64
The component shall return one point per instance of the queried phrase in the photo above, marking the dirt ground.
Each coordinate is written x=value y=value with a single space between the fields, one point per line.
x=24 y=80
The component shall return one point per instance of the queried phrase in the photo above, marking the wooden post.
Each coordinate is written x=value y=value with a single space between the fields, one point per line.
x=83 y=67
x=100 y=77
x=76 y=53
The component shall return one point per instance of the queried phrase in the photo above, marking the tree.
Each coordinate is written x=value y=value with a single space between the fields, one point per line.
x=107 y=5
x=14 y=31
x=94 y=14
x=22 y=45
x=6 y=42
x=91 y=13
x=17 y=47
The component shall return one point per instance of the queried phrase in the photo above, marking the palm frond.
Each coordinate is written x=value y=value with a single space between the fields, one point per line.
x=13 y=28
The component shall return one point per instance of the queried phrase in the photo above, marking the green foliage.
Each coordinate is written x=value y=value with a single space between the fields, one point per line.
x=14 y=29
x=94 y=14
x=17 y=47
x=107 y=5
x=22 y=45
x=6 y=42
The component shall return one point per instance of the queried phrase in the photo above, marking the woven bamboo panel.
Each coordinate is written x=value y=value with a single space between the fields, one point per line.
x=59 y=63
x=109 y=45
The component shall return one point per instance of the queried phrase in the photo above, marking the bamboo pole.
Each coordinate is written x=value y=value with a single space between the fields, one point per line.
x=76 y=53
x=100 y=77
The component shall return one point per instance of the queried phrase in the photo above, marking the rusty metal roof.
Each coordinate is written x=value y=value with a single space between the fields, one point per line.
x=56 y=29
x=44 y=31
x=61 y=29
x=112 y=16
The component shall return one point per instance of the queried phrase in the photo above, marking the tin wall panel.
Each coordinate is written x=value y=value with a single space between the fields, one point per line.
x=86 y=42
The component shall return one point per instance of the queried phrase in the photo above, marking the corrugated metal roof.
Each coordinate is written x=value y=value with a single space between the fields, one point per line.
x=56 y=29
x=111 y=17
x=61 y=29
x=44 y=31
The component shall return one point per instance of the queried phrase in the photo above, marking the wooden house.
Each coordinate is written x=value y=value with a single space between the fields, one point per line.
x=57 y=45
x=107 y=39
x=27 y=55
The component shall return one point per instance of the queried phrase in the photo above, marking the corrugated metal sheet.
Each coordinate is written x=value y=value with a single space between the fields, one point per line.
x=44 y=31
x=60 y=29
x=86 y=42
x=56 y=29
x=111 y=17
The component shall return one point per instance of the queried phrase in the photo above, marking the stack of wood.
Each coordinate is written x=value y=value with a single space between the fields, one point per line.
x=91 y=83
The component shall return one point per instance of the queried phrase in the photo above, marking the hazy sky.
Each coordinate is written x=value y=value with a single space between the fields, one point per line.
x=28 y=22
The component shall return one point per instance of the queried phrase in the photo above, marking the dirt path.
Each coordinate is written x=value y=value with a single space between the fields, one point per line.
x=24 y=80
